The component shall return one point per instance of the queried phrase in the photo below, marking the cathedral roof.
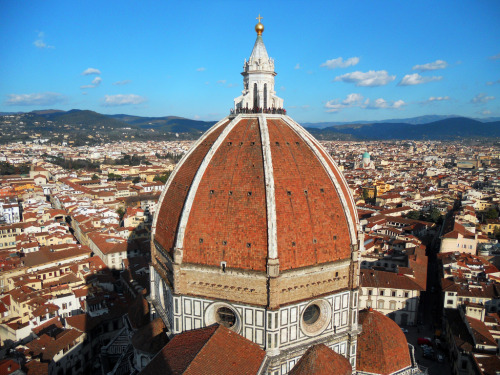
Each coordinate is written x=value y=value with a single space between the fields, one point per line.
x=257 y=187
x=211 y=350
x=382 y=346
x=321 y=360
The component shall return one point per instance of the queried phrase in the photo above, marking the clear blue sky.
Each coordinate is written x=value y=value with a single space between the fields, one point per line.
x=336 y=60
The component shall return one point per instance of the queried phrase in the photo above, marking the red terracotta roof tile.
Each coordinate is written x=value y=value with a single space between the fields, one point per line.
x=382 y=346
x=211 y=350
x=321 y=360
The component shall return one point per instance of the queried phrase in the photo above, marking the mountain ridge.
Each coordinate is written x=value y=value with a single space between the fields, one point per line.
x=91 y=127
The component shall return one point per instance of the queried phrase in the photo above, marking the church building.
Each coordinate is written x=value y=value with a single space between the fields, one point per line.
x=257 y=233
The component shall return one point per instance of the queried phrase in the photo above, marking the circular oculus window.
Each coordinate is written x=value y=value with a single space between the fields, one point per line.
x=223 y=314
x=315 y=317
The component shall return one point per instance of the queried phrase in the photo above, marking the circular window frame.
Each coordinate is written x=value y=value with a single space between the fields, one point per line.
x=211 y=315
x=321 y=323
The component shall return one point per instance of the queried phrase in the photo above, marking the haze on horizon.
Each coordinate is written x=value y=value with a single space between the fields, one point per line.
x=336 y=61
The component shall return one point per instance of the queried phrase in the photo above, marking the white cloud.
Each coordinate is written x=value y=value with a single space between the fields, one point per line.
x=371 y=78
x=202 y=69
x=120 y=99
x=438 y=64
x=121 y=83
x=438 y=98
x=339 y=62
x=495 y=57
x=398 y=104
x=43 y=98
x=297 y=66
x=223 y=82
x=383 y=104
x=417 y=79
x=492 y=82
x=352 y=99
x=482 y=98
x=485 y=112
x=357 y=100
x=88 y=71
x=40 y=43
x=95 y=82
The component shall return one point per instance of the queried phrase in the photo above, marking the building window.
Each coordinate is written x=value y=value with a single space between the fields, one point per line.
x=392 y=305
x=380 y=304
x=449 y=302
x=225 y=317
x=369 y=292
x=393 y=293
x=316 y=317
x=381 y=292
x=407 y=294
x=311 y=314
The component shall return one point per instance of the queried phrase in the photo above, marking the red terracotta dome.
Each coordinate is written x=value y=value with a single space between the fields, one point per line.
x=257 y=187
x=321 y=360
x=382 y=346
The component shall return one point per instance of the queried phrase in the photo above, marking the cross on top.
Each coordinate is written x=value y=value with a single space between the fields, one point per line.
x=259 y=18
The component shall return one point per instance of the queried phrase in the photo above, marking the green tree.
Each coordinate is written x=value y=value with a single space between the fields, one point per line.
x=435 y=215
x=491 y=213
x=163 y=178
x=95 y=177
x=415 y=215
x=136 y=180
x=121 y=211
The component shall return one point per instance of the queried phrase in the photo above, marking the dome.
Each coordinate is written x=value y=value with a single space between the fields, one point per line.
x=382 y=346
x=256 y=230
x=366 y=155
x=253 y=188
x=320 y=359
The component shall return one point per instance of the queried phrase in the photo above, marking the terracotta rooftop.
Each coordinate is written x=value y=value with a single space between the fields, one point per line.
x=383 y=279
x=211 y=350
x=382 y=346
x=321 y=360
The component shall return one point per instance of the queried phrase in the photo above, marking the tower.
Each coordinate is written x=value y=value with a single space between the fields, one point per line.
x=257 y=230
x=258 y=78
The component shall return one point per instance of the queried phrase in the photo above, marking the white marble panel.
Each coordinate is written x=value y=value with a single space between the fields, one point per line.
x=284 y=335
x=259 y=318
x=249 y=333
x=259 y=336
x=249 y=316
x=284 y=317
x=293 y=315
x=197 y=308
x=337 y=303
x=187 y=306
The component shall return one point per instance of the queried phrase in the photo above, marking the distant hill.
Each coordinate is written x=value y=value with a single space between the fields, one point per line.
x=168 y=123
x=78 y=117
x=411 y=120
x=80 y=127
x=420 y=120
x=447 y=129
x=84 y=127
